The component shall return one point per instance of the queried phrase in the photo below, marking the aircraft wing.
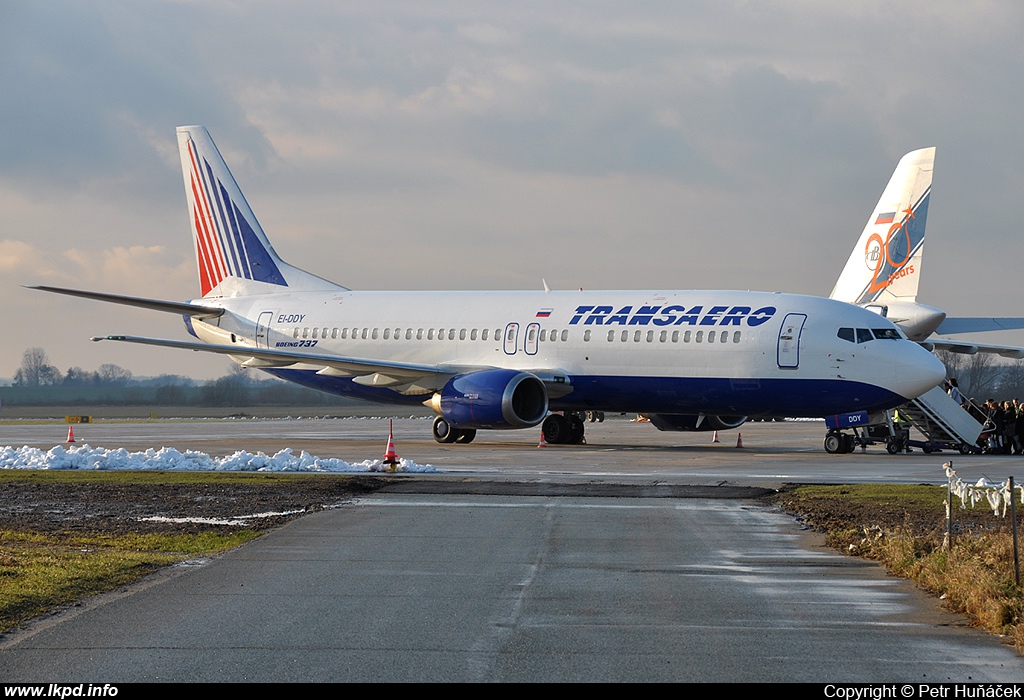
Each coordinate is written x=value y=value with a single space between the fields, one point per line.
x=970 y=348
x=402 y=377
x=979 y=325
x=174 y=307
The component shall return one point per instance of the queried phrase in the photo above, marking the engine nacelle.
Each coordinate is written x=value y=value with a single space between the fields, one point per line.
x=493 y=398
x=700 y=423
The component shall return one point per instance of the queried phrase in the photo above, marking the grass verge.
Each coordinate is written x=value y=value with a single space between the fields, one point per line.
x=65 y=535
x=904 y=526
x=41 y=572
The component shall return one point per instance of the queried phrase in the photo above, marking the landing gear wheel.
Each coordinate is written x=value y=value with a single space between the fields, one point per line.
x=556 y=429
x=443 y=431
x=466 y=436
x=892 y=447
x=576 y=430
x=833 y=442
x=849 y=444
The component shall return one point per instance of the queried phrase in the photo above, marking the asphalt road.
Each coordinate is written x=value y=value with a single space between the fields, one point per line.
x=460 y=587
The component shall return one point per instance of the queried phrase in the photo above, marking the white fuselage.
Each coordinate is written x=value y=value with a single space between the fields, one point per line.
x=729 y=352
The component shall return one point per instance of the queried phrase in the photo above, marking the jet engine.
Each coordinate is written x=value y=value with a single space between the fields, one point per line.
x=700 y=422
x=494 y=398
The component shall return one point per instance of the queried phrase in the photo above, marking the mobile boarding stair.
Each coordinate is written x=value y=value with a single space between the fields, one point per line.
x=942 y=422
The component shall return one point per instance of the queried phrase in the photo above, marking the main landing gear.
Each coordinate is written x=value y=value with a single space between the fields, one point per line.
x=559 y=429
x=446 y=434
x=563 y=429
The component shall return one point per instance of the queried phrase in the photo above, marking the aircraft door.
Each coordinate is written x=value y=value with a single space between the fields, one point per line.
x=511 y=338
x=530 y=342
x=263 y=329
x=788 y=354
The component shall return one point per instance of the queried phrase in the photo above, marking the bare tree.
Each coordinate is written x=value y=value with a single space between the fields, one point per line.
x=36 y=370
x=113 y=374
x=978 y=375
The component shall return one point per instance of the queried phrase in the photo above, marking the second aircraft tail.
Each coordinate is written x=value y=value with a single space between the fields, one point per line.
x=886 y=262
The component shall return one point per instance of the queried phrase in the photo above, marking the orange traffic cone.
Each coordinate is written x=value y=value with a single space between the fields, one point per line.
x=390 y=456
x=543 y=442
x=71 y=434
x=716 y=437
x=739 y=439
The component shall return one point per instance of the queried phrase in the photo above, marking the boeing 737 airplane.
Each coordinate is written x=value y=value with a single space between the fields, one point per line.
x=884 y=269
x=690 y=360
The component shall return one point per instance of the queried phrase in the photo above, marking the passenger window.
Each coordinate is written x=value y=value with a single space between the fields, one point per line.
x=636 y=336
x=419 y=334
x=736 y=337
x=472 y=334
x=296 y=333
x=344 y=333
x=430 y=334
x=700 y=337
x=544 y=335
x=374 y=334
x=387 y=334
x=686 y=336
x=625 y=336
x=675 y=336
x=565 y=335
x=611 y=336
x=586 y=336
x=483 y=334
x=497 y=334
x=462 y=334
x=650 y=336
x=711 y=336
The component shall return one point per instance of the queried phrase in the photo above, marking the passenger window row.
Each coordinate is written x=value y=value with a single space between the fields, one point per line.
x=546 y=335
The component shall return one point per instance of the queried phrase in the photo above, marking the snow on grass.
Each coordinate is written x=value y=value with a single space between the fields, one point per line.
x=168 y=458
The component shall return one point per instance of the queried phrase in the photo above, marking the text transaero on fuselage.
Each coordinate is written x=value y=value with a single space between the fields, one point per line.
x=690 y=360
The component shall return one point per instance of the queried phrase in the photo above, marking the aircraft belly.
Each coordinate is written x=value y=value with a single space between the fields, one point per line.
x=786 y=397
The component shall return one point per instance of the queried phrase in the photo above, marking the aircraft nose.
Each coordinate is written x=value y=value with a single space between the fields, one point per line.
x=917 y=371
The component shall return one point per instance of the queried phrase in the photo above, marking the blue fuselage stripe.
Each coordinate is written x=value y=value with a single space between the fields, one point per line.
x=721 y=396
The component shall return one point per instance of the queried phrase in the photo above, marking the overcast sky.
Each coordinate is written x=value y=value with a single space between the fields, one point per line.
x=485 y=145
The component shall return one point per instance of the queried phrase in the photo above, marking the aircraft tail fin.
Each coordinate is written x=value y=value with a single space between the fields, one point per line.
x=886 y=263
x=233 y=254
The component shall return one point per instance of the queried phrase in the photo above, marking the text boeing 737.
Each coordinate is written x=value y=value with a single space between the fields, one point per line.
x=691 y=360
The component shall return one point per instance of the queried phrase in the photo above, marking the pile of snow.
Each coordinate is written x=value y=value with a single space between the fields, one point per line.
x=168 y=458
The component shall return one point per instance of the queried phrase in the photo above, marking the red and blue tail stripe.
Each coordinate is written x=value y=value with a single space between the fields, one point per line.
x=227 y=244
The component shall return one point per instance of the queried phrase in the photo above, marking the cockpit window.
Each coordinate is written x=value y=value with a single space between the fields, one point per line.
x=886 y=333
x=864 y=335
x=846 y=334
